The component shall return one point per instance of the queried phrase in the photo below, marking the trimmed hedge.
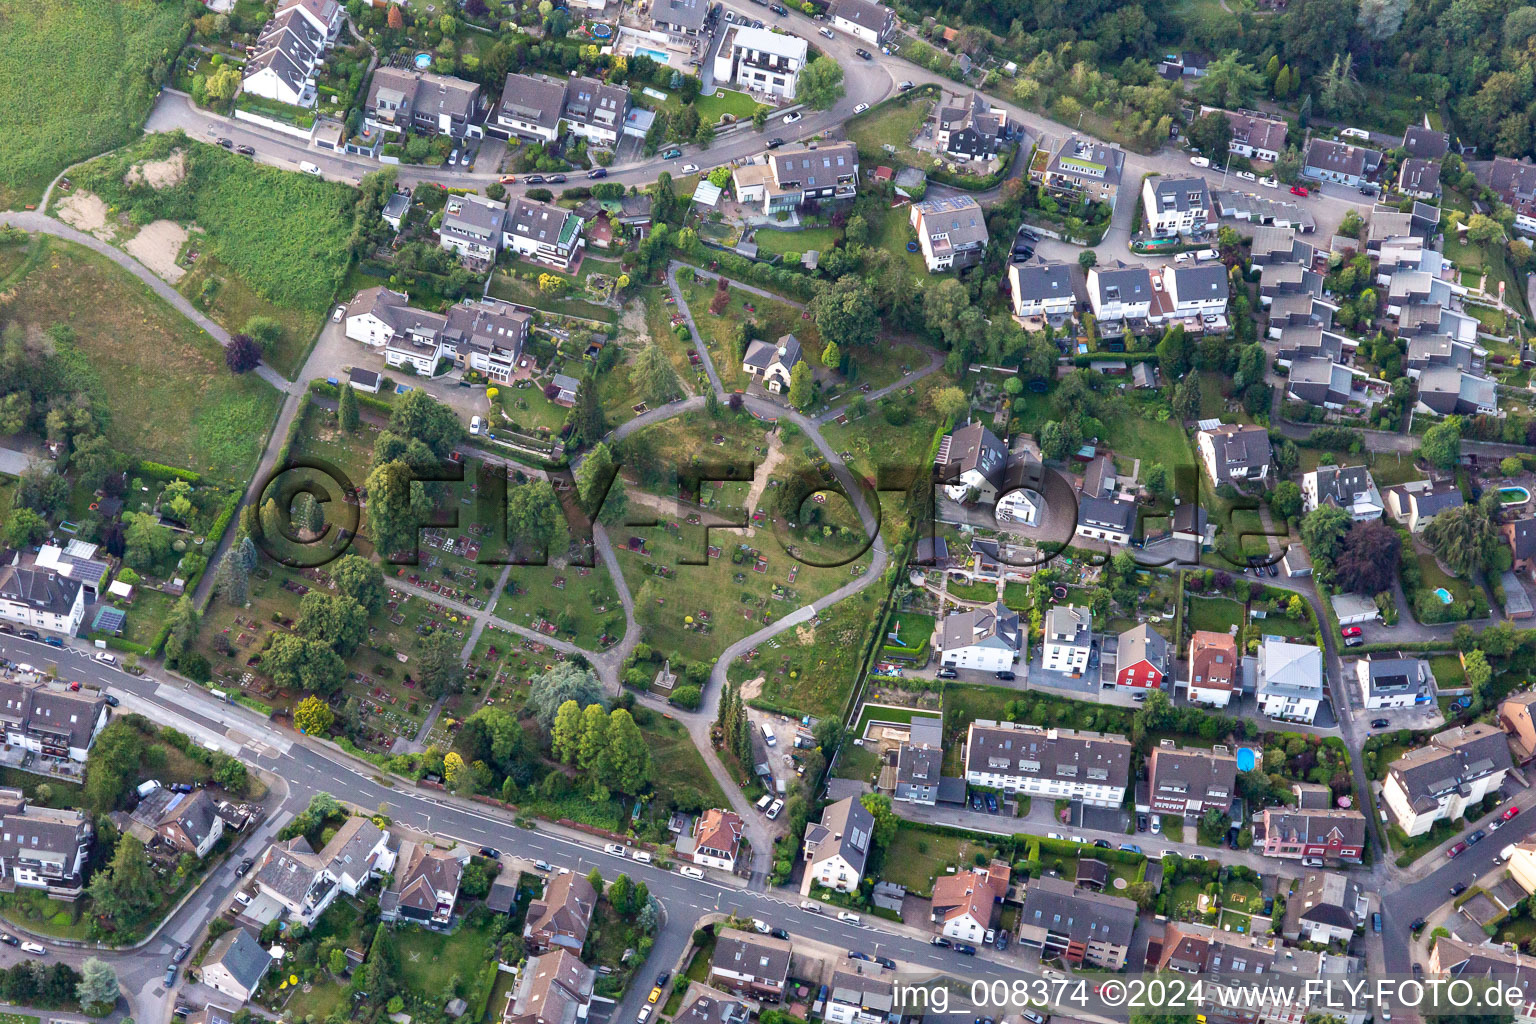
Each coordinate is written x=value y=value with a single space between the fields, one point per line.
x=160 y=471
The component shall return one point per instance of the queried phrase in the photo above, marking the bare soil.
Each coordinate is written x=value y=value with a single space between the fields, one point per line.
x=88 y=212
x=156 y=246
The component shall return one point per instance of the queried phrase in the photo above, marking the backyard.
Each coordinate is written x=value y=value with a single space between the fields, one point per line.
x=916 y=857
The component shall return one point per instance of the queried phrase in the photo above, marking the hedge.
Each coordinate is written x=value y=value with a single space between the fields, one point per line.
x=367 y=401
x=160 y=471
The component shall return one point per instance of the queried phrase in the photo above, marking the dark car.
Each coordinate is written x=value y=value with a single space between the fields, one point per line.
x=775 y=142
x=170 y=975
x=1274 y=570
x=227 y=143
x=244 y=868
x=112 y=701
x=534 y=179
x=598 y=172
x=1418 y=969
x=939 y=940
x=663 y=978
x=181 y=953
x=975 y=801
x=1418 y=923
x=246 y=150
x=864 y=54
x=9 y=939
x=886 y=962
x=948 y=673
x=556 y=179
x=1102 y=844
x=854 y=954
x=1458 y=888
x=992 y=802
x=779 y=933
x=1379 y=723
x=1141 y=823
x=1004 y=675
x=1476 y=837
x=776 y=9
x=28 y=634
x=968 y=950
x=491 y=852
x=1002 y=941
x=54 y=641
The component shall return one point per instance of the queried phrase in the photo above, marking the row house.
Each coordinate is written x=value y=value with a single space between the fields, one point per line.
x=405 y=101
x=289 y=49
x=1084 y=928
x=973 y=130
x=1320 y=382
x=1041 y=289
x=1448 y=391
x=1058 y=764
x=1189 y=782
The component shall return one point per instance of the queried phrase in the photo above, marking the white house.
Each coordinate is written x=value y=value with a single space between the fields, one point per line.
x=836 y=848
x=1290 y=680
x=43 y=847
x=1234 y=452
x=1120 y=292
x=1439 y=781
x=762 y=61
x=985 y=639
x=1068 y=639
x=951 y=231
x=1061 y=764
x=1196 y=291
x=717 y=839
x=1347 y=487
x=965 y=904
x=51 y=723
x=1393 y=682
x=235 y=965
x=771 y=364
x=472 y=226
x=543 y=232
x=304 y=883
x=870 y=22
x=1041 y=289
x=40 y=599
x=971 y=459
x=1175 y=205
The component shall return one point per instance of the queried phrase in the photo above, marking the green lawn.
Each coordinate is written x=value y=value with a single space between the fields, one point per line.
x=893 y=124
x=75 y=81
x=915 y=858
x=167 y=392
x=34 y=911
x=973 y=591
x=1447 y=671
x=724 y=101
x=811 y=671
x=770 y=240
x=429 y=960
x=675 y=761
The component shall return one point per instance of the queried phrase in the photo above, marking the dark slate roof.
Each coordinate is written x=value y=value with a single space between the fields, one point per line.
x=41 y=590
x=845 y=828
x=1036 y=282
x=1104 y=513
x=758 y=956
x=1451 y=760
x=1426 y=143
x=1059 y=906
x=1004 y=748
x=241 y=955
x=533 y=99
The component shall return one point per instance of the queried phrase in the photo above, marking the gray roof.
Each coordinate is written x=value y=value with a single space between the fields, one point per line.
x=757 y=956
x=534 y=99
x=1448 y=380
x=1069 y=624
x=474 y=217
x=362 y=376
x=1420 y=175
x=1105 y=513
x=845 y=828
x=994 y=625
x=1452 y=760
x=1208 y=281
x=814 y=168
x=1119 y=281
x=1181 y=192
x=1325 y=897
x=240 y=955
x=1143 y=643
x=1238 y=446
x=1089 y=917
x=39 y=589
x=1037 y=282
x=1315 y=824
x=1426 y=349
x=867 y=991
x=959 y=218
x=349 y=848
x=919 y=765
x=32 y=830
x=1193 y=773
x=1309 y=341
x=1338 y=485
x=591 y=101
x=708 y=1009
x=1087 y=160
x=1394 y=675
x=70 y=717
x=1334 y=376
x=1003 y=748
x=875 y=17
x=685 y=14
x=289 y=868
x=1341 y=158
x=1426 y=143
x=425 y=93
x=762 y=353
x=1253 y=131
x=542 y=222
x=193 y=813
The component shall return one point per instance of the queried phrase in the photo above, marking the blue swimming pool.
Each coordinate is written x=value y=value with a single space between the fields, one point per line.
x=423 y=61
x=1444 y=595
x=1246 y=759
x=659 y=56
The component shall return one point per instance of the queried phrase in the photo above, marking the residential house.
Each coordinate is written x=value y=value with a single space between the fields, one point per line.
x=189 y=822
x=1324 y=907
x=1290 y=680
x=1068 y=639
x=530 y=107
x=871 y=22
x=234 y=965
x=1081 y=168
x=972 y=460
x=472 y=226
x=1120 y=292
x=1057 y=764
x=1319 y=382
x=1258 y=959
x=1198 y=291
x=1347 y=487
x=756 y=966
x=52 y=723
x=291 y=874
x=708 y=1008
x=1451 y=392
x=861 y=993
x=1457 y=959
x=966 y=904
x=1340 y=162
x=771 y=364
x=287 y=54
x=1522 y=864
x=1440 y=780
x=359 y=852
x=1515 y=182
x=920 y=763
x=985 y=639
x=43 y=847
x=682 y=18
x=837 y=847
x=762 y=61
x=1296 y=833
x=1234 y=452
x=790 y=176
x=1041 y=289
x=401 y=100
x=1272 y=245
x=485 y=335
x=543 y=232
x=1426 y=143
x=1517 y=719
x=1141 y=658
x=952 y=232
x=425 y=888
x=1431 y=350
x=552 y=988
x=1084 y=928
x=1253 y=135
x=396 y=207
x=41 y=599
x=1520 y=535
x=1214 y=671
x=717 y=839
x=1107 y=519
x=1189 y=782
x=595 y=110
x=1175 y=205
x=1415 y=504
x=1393 y=682
x=973 y=130
x=1288 y=279
x=561 y=918
x=1419 y=178
x=1310 y=341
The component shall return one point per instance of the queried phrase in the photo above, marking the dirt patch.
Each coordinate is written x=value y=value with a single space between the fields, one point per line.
x=88 y=212
x=805 y=633
x=157 y=245
x=753 y=687
x=159 y=174
x=763 y=475
x=632 y=322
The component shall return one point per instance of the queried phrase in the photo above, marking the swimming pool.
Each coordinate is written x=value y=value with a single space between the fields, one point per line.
x=1247 y=759
x=1444 y=595
x=659 y=56
x=1513 y=495
x=423 y=61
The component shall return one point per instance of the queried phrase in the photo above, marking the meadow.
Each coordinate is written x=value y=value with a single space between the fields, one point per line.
x=168 y=395
x=76 y=80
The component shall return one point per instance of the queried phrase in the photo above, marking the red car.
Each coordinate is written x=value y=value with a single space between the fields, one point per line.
x=1351 y=631
x=1510 y=813
x=1299 y=190
x=1459 y=848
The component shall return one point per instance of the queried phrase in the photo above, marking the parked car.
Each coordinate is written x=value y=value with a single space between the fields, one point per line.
x=1476 y=837
x=886 y=962
x=1352 y=631
x=671 y=154
x=1102 y=844
x=181 y=953
x=614 y=850
x=555 y=179
x=34 y=949
x=246 y=150
x=508 y=179
x=1004 y=675
x=645 y=1014
x=1300 y=190
x=975 y=801
x=598 y=172
x=1458 y=888
x=1418 y=923
x=491 y=852
x=903 y=86
x=690 y=169
x=948 y=673
x=1157 y=824
x=864 y=54
x=1130 y=847
x=663 y=978
x=1379 y=723
x=966 y=948
x=941 y=941
x=534 y=179
x=792 y=117
x=1002 y=941
x=848 y=917
x=1510 y=813
x=1141 y=823
x=1456 y=851
x=861 y=108
x=1199 y=161
x=655 y=994
x=826 y=32
x=777 y=9
x=227 y=143
x=1270 y=182
x=774 y=809
x=774 y=143
x=9 y=939
x=992 y=802
x=1247 y=175
x=243 y=898
x=779 y=933
x=309 y=168
x=1056 y=835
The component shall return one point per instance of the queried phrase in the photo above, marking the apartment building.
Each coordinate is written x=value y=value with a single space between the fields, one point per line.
x=1068 y=639
x=1393 y=682
x=1189 y=782
x=1440 y=780
x=400 y=101
x=485 y=335
x=43 y=848
x=1175 y=205
x=1084 y=928
x=986 y=639
x=1290 y=680
x=1057 y=764
x=762 y=61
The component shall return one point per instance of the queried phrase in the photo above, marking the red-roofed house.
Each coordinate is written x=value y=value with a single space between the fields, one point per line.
x=717 y=839
x=965 y=904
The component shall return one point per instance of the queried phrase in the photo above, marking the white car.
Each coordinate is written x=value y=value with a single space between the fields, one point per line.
x=341 y=311
x=1157 y=824
x=1056 y=835
x=690 y=168
x=792 y=117
x=614 y=850
x=848 y=917
x=1183 y=257
x=1269 y=182
x=309 y=168
x=861 y=108
x=774 y=809
x=1078 y=839
x=826 y=32
x=243 y=898
x=1199 y=161
x=33 y=948
x=1247 y=175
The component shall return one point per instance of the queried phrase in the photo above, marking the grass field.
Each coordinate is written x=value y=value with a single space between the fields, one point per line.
x=724 y=101
x=429 y=960
x=75 y=81
x=771 y=320
x=675 y=761
x=811 y=670
x=821 y=239
x=283 y=236
x=892 y=125
x=162 y=380
x=1216 y=614
x=916 y=858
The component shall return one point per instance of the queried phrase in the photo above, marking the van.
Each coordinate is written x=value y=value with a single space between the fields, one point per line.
x=309 y=168
x=1207 y=254
x=1506 y=853
x=1355 y=133
x=763 y=801
x=1032 y=1017
x=641 y=857
x=474 y=425
x=688 y=871
x=768 y=736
